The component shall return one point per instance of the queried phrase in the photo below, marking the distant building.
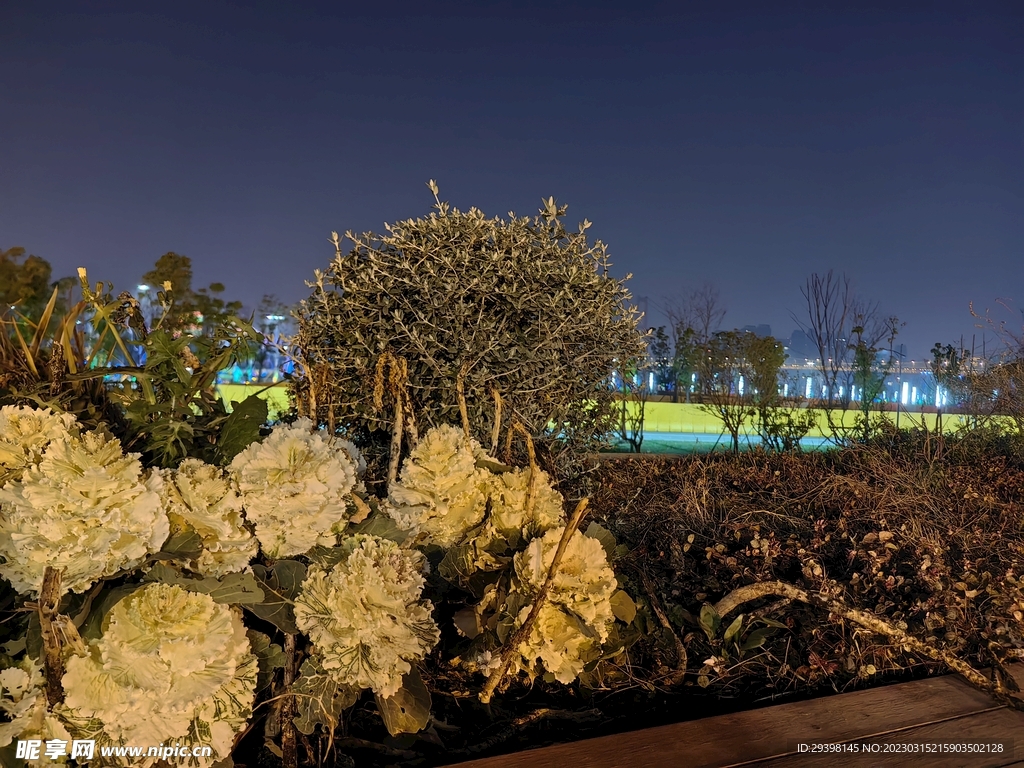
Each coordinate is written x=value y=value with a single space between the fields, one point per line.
x=800 y=346
x=762 y=331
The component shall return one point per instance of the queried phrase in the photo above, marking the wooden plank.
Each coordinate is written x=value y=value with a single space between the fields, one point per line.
x=1017 y=673
x=998 y=725
x=763 y=733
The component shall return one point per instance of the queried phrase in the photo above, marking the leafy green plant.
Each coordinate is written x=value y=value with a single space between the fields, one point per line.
x=153 y=388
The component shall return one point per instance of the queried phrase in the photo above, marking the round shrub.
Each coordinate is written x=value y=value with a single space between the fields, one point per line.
x=528 y=308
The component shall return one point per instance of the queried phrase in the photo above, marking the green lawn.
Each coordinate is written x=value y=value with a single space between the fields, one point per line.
x=687 y=417
x=276 y=396
x=660 y=416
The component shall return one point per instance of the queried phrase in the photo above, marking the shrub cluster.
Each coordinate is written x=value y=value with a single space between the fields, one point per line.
x=526 y=307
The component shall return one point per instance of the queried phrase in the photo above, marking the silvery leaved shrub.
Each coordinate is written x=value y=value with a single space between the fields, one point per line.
x=528 y=307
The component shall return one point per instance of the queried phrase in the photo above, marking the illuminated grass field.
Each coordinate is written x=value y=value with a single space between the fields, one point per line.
x=276 y=396
x=679 y=418
x=689 y=418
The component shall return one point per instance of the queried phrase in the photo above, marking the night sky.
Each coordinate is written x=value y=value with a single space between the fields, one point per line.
x=708 y=142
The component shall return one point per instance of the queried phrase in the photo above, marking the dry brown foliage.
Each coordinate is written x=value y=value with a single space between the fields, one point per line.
x=934 y=548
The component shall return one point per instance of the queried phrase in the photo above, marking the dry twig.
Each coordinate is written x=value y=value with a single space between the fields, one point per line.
x=289 y=746
x=745 y=594
x=520 y=635
x=460 y=393
x=53 y=663
x=682 y=658
x=496 y=428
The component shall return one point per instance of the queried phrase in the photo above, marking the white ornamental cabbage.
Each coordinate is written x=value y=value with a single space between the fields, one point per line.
x=86 y=507
x=509 y=519
x=577 y=616
x=440 y=494
x=23 y=701
x=366 y=616
x=25 y=433
x=559 y=641
x=350 y=448
x=296 y=488
x=200 y=495
x=169 y=665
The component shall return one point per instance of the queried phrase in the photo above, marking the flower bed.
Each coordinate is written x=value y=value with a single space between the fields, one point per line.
x=141 y=578
x=272 y=607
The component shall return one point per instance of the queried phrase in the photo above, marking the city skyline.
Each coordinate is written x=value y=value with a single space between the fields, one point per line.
x=736 y=146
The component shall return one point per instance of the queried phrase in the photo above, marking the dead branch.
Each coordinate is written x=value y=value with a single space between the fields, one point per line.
x=289 y=746
x=520 y=635
x=496 y=428
x=682 y=658
x=53 y=663
x=745 y=594
x=460 y=393
x=392 y=373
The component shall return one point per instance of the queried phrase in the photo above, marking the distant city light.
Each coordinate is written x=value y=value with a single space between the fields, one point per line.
x=905 y=393
x=807 y=394
x=143 y=288
x=913 y=394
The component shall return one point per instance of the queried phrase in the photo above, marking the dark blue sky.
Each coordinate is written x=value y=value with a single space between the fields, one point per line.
x=709 y=142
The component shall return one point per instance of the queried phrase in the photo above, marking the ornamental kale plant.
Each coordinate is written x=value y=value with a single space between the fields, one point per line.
x=154 y=607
